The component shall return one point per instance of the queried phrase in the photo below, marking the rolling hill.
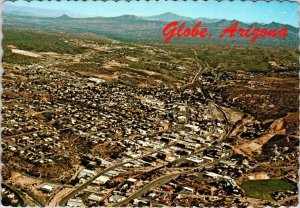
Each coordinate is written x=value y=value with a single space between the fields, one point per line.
x=137 y=29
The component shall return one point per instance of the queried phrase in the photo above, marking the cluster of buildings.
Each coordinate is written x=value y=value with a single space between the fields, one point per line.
x=84 y=106
x=208 y=185
x=118 y=139
x=10 y=198
x=79 y=116
x=280 y=195
x=117 y=184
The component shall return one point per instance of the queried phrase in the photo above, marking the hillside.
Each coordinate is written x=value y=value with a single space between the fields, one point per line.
x=131 y=28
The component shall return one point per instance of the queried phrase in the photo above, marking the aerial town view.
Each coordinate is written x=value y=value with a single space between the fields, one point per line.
x=99 y=110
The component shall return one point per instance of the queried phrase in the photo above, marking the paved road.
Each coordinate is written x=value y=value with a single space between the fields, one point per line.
x=63 y=201
x=153 y=184
x=162 y=180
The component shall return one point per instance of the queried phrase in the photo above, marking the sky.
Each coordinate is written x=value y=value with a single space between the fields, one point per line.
x=262 y=12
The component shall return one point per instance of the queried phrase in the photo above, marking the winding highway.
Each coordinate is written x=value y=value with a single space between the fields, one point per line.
x=162 y=180
x=64 y=199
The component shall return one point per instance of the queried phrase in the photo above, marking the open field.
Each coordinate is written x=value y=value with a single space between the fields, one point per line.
x=262 y=189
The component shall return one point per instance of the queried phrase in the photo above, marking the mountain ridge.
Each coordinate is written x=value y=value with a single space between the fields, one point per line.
x=136 y=29
x=166 y=17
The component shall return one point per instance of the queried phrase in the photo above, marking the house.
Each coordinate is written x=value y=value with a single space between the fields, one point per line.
x=94 y=197
x=182 y=108
x=195 y=161
x=116 y=198
x=192 y=127
x=208 y=158
x=132 y=181
x=128 y=165
x=191 y=190
x=86 y=172
x=11 y=196
x=77 y=202
x=101 y=180
x=152 y=195
x=181 y=119
x=140 y=203
x=212 y=174
x=112 y=173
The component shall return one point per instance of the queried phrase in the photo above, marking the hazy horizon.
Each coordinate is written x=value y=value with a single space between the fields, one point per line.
x=248 y=12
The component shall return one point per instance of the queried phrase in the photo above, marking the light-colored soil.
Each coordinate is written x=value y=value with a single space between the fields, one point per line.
x=112 y=64
x=150 y=73
x=33 y=186
x=133 y=59
x=51 y=54
x=113 y=76
x=254 y=146
x=25 y=53
x=23 y=180
x=11 y=46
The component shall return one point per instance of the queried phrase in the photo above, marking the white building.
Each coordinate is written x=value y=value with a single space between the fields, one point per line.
x=47 y=188
x=77 y=202
x=192 y=127
x=181 y=119
x=94 y=197
x=116 y=198
x=101 y=180
x=86 y=172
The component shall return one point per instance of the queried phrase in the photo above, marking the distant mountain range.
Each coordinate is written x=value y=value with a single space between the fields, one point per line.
x=37 y=12
x=140 y=29
x=169 y=16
